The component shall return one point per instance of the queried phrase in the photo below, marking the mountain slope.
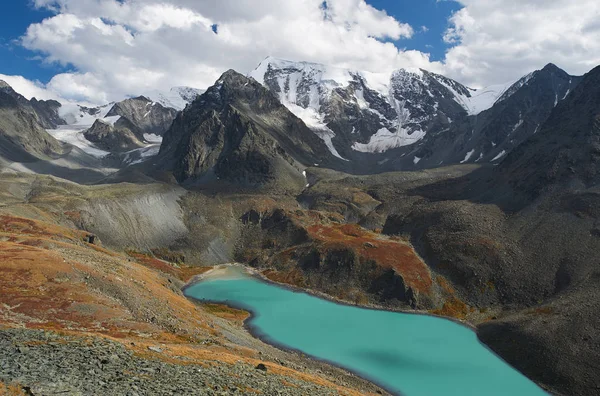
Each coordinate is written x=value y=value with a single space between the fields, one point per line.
x=237 y=131
x=566 y=151
x=524 y=236
x=516 y=116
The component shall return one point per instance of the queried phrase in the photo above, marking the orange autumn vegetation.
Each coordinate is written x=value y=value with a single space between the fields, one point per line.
x=293 y=277
x=453 y=307
x=225 y=312
x=11 y=390
x=182 y=272
x=386 y=252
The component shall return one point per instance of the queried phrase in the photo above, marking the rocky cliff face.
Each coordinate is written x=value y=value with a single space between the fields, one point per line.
x=365 y=112
x=238 y=132
x=566 y=151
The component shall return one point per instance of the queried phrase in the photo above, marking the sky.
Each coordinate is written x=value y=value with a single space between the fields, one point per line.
x=96 y=51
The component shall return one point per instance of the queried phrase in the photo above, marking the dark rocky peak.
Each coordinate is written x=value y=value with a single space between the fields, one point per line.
x=235 y=88
x=120 y=137
x=7 y=89
x=517 y=115
x=552 y=71
x=238 y=132
x=48 y=102
x=7 y=100
x=552 y=80
x=552 y=68
x=566 y=151
x=142 y=98
x=91 y=110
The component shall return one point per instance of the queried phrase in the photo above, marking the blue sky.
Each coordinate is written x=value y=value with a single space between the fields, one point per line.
x=17 y=15
x=432 y=14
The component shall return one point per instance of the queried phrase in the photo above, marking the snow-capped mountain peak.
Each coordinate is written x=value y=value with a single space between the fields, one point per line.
x=408 y=113
x=176 y=98
x=397 y=108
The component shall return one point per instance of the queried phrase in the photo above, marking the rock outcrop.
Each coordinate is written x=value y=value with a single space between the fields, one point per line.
x=147 y=116
x=116 y=137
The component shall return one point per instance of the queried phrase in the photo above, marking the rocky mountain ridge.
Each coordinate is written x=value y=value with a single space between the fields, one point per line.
x=413 y=119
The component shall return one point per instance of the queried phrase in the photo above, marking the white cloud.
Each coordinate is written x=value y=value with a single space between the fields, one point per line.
x=27 y=88
x=127 y=47
x=124 y=47
x=499 y=40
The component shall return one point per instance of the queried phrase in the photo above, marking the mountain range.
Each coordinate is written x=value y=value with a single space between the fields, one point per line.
x=370 y=122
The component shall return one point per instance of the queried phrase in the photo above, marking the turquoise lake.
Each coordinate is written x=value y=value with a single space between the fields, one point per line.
x=407 y=354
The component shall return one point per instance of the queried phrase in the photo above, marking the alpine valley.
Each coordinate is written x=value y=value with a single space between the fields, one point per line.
x=404 y=191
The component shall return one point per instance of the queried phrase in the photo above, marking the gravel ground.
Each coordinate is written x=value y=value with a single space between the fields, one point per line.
x=45 y=363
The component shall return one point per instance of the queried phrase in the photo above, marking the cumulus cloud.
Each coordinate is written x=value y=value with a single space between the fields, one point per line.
x=495 y=41
x=127 y=47
x=130 y=46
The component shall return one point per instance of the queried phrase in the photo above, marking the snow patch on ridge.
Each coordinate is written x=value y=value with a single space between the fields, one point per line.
x=152 y=138
x=110 y=120
x=480 y=99
x=502 y=154
x=468 y=156
x=314 y=121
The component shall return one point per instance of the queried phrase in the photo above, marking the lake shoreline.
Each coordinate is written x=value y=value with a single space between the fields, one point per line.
x=260 y=335
x=373 y=307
